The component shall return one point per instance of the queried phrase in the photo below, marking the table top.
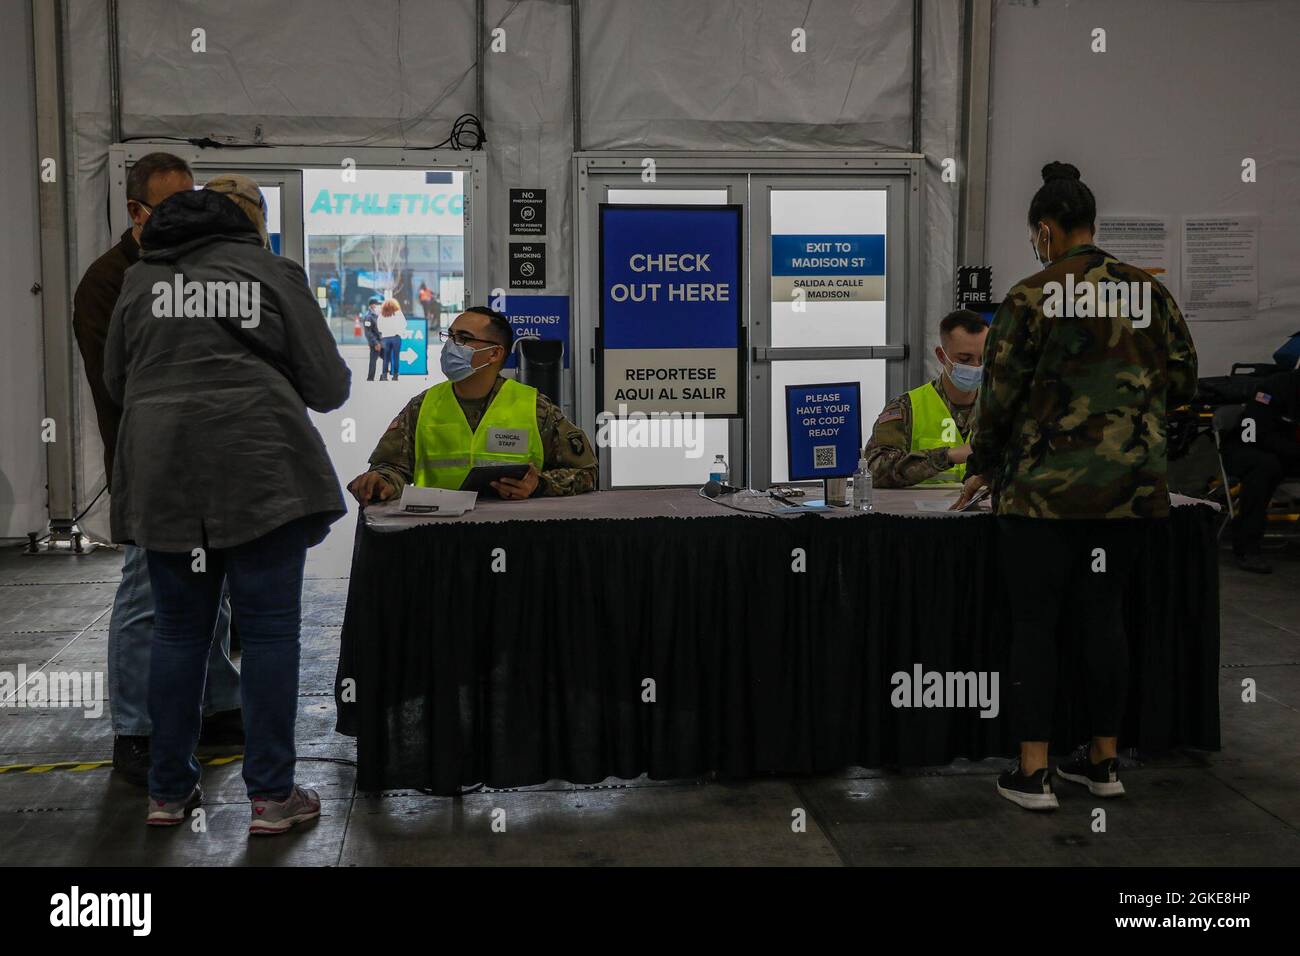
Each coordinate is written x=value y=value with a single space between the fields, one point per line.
x=668 y=503
x=684 y=503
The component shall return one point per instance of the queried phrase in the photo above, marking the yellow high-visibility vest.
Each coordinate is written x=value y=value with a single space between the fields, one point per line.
x=446 y=449
x=931 y=421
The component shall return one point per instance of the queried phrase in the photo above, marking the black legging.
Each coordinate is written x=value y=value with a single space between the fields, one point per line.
x=1047 y=564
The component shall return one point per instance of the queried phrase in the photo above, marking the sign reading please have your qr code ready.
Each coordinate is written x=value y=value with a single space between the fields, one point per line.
x=824 y=429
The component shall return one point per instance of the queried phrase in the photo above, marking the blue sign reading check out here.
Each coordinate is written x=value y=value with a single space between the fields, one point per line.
x=670 y=309
x=823 y=429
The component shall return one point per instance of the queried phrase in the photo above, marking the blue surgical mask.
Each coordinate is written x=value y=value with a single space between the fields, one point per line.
x=457 y=360
x=966 y=378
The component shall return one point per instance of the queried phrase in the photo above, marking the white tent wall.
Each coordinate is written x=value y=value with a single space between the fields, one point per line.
x=385 y=73
x=941 y=66
x=528 y=103
x=380 y=73
x=22 y=454
x=1159 y=125
x=680 y=74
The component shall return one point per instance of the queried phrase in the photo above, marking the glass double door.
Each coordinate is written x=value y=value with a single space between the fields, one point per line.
x=823 y=303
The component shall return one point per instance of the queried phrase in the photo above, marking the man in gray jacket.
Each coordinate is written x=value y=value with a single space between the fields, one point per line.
x=215 y=352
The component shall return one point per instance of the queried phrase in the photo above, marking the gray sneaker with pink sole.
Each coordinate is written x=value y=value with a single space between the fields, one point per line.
x=277 y=816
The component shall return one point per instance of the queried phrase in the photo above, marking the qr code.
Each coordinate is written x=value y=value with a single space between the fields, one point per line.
x=823 y=456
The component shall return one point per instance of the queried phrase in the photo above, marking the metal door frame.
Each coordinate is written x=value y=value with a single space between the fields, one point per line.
x=695 y=170
x=274 y=165
x=595 y=187
x=894 y=351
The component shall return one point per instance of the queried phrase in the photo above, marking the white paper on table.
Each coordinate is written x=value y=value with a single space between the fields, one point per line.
x=934 y=504
x=435 y=502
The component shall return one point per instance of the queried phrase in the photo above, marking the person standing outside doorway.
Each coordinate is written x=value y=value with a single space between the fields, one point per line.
x=392 y=323
x=374 y=341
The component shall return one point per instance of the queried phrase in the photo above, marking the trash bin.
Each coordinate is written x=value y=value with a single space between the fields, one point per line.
x=540 y=361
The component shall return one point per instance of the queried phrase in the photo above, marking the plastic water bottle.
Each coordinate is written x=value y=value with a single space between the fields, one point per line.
x=718 y=471
x=862 y=487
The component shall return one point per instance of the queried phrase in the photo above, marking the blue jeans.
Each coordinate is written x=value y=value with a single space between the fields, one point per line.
x=129 y=637
x=392 y=345
x=265 y=578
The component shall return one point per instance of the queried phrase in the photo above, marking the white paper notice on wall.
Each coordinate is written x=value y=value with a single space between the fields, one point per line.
x=1142 y=241
x=1220 y=268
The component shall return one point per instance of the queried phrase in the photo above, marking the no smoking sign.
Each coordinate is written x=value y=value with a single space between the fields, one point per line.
x=527 y=265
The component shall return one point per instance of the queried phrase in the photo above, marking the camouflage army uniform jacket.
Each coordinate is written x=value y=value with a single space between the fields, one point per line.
x=1070 y=419
x=889 y=453
x=568 y=466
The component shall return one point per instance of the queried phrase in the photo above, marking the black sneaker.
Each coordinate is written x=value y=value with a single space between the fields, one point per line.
x=131 y=759
x=1101 y=779
x=1033 y=792
x=223 y=729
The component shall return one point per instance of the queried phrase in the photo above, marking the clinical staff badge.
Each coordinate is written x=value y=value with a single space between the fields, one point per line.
x=508 y=441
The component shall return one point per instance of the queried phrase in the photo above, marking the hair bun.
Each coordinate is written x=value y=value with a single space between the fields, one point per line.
x=1059 y=171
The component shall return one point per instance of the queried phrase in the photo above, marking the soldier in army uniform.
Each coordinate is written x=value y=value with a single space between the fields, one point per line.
x=1070 y=437
x=479 y=417
x=922 y=436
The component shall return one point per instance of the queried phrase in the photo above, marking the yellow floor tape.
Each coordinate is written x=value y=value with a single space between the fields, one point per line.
x=74 y=766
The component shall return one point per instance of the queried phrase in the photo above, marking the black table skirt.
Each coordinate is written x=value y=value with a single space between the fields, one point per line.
x=463 y=675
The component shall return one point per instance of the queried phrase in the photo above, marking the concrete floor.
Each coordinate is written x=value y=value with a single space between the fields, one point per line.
x=1237 y=807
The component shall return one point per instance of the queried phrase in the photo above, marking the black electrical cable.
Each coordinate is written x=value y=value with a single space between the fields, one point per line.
x=86 y=510
x=466 y=133
x=83 y=514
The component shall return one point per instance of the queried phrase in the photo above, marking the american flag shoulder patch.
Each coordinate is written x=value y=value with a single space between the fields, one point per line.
x=1263 y=398
x=889 y=415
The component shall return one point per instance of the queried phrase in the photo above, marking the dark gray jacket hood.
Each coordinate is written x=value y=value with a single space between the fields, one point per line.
x=190 y=219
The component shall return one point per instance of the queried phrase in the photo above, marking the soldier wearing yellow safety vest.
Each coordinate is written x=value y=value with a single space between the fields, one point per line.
x=478 y=417
x=923 y=436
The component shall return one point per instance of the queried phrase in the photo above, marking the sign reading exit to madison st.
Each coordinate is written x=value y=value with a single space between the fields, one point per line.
x=826 y=268
x=670 y=309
